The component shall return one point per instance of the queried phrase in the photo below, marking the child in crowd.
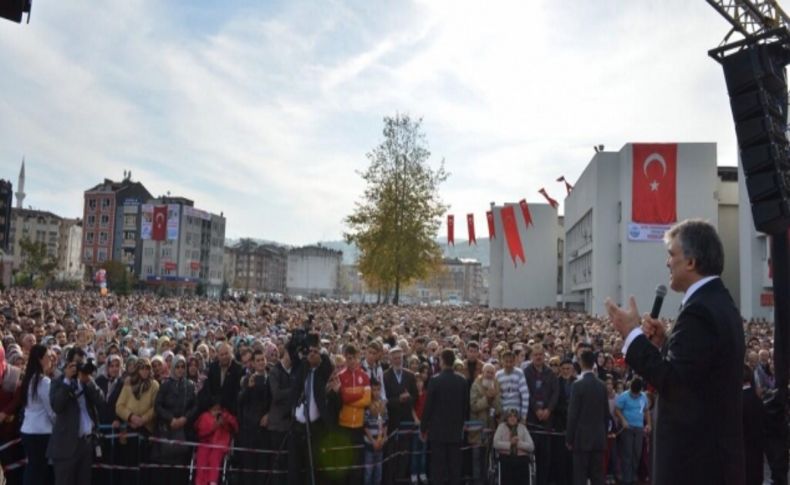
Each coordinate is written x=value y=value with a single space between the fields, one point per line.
x=214 y=427
x=375 y=434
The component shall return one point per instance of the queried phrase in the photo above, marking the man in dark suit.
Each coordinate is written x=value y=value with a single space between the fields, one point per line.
x=314 y=409
x=74 y=398
x=753 y=429
x=223 y=380
x=585 y=434
x=446 y=406
x=697 y=369
x=401 y=387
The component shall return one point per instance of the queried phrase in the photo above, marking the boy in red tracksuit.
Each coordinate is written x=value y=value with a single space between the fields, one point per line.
x=355 y=396
x=214 y=427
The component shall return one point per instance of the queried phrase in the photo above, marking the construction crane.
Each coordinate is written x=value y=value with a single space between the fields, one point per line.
x=755 y=20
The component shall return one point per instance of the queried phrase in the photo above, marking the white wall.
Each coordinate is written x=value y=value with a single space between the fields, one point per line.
x=621 y=267
x=530 y=285
x=312 y=273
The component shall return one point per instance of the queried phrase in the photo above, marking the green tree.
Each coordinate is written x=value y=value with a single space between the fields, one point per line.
x=119 y=281
x=396 y=222
x=38 y=267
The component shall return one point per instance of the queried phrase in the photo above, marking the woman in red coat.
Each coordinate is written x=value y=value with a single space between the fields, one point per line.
x=10 y=401
x=214 y=427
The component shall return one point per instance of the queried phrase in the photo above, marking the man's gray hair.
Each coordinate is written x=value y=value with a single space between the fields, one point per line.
x=700 y=242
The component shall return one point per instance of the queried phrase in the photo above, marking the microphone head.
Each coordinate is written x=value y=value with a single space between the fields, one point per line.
x=661 y=291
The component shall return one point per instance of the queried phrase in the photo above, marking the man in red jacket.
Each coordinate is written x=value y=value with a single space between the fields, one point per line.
x=355 y=397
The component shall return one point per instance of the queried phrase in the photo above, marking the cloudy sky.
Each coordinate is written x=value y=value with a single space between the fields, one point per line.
x=264 y=110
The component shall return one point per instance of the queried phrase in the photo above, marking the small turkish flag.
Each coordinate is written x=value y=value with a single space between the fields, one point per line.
x=470 y=224
x=159 y=231
x=512 y=237
x=654 y=183
x=525 y=211
x=552 y=202
x=491 y=230
x=451 y=230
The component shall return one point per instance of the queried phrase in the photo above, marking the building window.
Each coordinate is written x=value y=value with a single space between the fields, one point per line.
x=130 y=220
x=89 y=237
x=102 y=238
x=149 y=269
x=128 y=235
x=148 y=252
x=91 y=221
x=88 y=254
x=92 y=204
x=101 y=255
x=105 y=220
x=105 y=203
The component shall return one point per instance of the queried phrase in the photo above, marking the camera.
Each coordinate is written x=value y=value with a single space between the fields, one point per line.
x=87 y=367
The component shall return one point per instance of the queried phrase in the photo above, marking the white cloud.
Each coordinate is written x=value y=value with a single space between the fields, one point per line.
x=266 y=112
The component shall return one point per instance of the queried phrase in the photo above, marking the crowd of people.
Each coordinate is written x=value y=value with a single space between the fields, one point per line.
x=251 y=390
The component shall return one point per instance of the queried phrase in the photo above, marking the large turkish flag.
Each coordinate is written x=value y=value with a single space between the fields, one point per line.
x=159 y=231
x=654 y=183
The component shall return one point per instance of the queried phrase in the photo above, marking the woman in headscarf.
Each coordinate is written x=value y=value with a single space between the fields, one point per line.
x=10 y=403
x=176 y=409
x=135 y=407
x=195 y=371
x=110 y=381
x=513 y=442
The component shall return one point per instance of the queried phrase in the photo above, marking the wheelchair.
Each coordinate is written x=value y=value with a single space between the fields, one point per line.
x=225 y=466
x=495 y=467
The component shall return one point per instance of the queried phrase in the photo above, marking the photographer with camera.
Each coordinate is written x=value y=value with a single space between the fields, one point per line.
x=311 y=392
x=74 y=398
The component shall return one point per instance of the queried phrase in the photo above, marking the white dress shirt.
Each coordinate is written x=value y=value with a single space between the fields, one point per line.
x=690 y=291
x=39 y=416
x=86 y=423
x=313 y=410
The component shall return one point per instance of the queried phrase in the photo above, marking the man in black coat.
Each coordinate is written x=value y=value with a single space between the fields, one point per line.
x=588 y=414
x=753 y=429
x=74 y=398
x=697 y=369
x=315 y=410
x=401 y=387
x=254 y=402
x=223 y=380
x=446 y=406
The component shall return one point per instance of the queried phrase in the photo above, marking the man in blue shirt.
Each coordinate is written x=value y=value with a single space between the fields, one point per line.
x=633 y=411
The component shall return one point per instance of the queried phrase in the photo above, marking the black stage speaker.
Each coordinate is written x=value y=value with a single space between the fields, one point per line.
x=13 y=9
x=757 y=85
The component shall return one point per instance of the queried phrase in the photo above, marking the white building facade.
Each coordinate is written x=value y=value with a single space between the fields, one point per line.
x=313 y=271
x=601 y=259
x=530 y=284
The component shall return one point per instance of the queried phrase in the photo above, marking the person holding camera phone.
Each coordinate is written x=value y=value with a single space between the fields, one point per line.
x=74 y=398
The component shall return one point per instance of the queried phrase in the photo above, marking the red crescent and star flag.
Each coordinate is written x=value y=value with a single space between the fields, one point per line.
x=511 y=235
x=450 y=229
x=490 y=219
x=654 y=183
x=159 y=230
x=470 y=225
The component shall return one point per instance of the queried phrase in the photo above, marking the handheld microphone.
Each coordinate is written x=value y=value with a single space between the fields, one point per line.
x=661 y=292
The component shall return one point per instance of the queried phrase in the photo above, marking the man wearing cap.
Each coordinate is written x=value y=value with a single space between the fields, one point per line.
x=401 y=386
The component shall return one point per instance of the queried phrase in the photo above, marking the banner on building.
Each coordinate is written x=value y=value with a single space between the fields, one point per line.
x=491 y=229
x=170 y=266
x=514 y=245
x=654 y=183
x=647 y=232
x=159 y=229
x=172 y=219
x=525 y=212
x=451 y=230
x=470 y=225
